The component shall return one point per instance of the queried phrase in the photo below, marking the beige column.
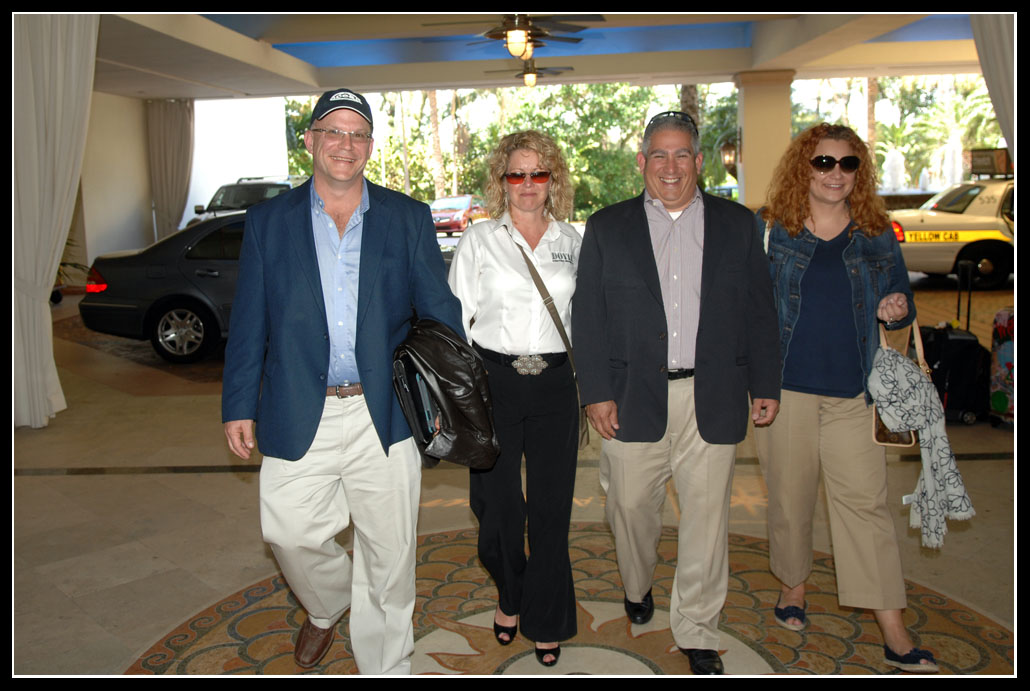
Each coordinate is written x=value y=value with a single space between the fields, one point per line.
x=763 y=115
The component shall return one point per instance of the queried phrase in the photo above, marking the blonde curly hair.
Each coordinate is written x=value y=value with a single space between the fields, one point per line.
x=788 y=191
x=559 y=199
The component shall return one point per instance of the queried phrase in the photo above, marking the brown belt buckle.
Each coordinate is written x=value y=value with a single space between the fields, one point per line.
x=354 y=388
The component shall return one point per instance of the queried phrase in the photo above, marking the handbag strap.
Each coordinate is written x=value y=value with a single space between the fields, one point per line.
x=917 y=338
x=548 y=303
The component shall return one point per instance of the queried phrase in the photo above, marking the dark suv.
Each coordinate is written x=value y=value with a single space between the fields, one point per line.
x=244 y=193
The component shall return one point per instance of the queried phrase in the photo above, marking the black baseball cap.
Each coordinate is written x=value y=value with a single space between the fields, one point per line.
x=341 y=98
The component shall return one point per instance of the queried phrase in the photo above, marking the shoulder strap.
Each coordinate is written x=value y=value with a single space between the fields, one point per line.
x=549 y=304
x=917 y=338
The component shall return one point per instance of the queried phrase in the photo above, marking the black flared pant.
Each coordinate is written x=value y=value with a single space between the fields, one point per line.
x=536 y=416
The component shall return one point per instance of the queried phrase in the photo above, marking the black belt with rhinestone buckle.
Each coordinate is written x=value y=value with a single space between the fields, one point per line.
x=529 y=364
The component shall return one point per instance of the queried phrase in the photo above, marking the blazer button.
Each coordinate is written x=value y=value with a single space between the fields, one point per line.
x=661 y=336
x=663 y=369
x=322 y=377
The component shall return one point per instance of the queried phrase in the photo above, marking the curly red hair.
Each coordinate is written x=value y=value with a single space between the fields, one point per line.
x=788 y=191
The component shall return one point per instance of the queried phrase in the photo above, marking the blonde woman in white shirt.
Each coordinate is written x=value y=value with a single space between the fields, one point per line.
x=535 y=404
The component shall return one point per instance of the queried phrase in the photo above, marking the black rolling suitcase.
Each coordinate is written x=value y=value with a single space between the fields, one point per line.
x=961 y=366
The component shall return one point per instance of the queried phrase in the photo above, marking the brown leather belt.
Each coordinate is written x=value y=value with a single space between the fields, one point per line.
x=345 y=391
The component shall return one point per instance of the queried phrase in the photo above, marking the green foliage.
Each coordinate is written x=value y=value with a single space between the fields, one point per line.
x=718 y=124
x=599 y=128
x=930 y=111
x=298 y=115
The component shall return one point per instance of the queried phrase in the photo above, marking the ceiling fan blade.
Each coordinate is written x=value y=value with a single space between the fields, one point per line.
x=470 y=21
x=564 y=39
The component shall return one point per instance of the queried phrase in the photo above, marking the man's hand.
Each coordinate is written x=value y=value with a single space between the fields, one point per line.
x=604 y=418
x=240 y=434
x=763 y=411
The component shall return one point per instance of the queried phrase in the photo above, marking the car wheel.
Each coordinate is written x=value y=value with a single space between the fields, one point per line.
x=183 y=332
x=990 y=267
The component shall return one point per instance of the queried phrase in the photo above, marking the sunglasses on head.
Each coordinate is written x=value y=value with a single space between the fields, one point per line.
x=676 y=114
x=537 y=176
x=824 y=164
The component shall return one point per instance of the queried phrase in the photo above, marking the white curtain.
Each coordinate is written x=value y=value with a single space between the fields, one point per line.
x=170 y=139
x=994 y=36
x=52 y=65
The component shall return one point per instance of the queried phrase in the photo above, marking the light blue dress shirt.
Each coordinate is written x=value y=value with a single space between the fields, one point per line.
x=338 y=267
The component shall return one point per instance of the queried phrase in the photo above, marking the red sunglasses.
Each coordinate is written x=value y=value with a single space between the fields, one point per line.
x=537 y=176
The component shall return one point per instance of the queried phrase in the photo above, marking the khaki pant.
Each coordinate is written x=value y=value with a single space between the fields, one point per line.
x=633 y=476
x=306 y=503
x=835 y=435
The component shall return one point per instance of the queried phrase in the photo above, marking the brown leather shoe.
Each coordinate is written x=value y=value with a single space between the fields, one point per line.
x=312 y=644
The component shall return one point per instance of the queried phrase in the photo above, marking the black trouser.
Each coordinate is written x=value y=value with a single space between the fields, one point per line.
x=535 y=415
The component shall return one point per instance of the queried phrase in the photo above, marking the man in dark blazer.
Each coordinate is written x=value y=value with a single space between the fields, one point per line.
x=330 y=274
x=674 y=328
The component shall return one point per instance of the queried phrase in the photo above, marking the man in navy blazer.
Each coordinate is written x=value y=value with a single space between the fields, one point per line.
x=674 y=328
x=330 y=275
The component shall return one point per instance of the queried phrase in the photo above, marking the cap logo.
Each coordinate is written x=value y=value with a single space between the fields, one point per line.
x=345 y=96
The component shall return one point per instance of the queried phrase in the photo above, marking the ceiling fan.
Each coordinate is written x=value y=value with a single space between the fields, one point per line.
x=522 y=33
x=529 y=72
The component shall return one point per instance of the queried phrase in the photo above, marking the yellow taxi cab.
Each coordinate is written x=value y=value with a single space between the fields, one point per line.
x=971 y=220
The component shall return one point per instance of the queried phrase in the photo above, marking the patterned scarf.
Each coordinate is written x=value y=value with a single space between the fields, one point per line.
x=907 y=400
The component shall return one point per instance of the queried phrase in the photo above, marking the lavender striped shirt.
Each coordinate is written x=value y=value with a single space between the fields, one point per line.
x=678 y=245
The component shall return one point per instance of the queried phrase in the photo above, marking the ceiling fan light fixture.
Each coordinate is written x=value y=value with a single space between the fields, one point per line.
x=517 y=41
x=529 y=78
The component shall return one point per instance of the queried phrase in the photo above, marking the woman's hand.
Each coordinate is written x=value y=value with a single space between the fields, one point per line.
x=892 y=308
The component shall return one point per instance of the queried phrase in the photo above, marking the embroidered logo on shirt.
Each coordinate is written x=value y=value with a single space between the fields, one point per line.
x=565 y=257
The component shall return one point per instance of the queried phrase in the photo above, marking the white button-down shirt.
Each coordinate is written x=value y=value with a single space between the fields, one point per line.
x=501 y=308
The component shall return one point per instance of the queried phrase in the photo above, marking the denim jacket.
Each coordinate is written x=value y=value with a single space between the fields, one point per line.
x=875 y=267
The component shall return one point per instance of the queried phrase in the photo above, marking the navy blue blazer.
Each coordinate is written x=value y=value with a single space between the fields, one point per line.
x=619 y=328
x=277 y=357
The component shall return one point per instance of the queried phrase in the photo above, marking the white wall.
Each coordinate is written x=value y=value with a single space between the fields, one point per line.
x=233 y=139
x=116 y=197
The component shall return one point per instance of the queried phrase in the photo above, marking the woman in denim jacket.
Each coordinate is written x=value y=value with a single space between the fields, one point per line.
x=837 y=271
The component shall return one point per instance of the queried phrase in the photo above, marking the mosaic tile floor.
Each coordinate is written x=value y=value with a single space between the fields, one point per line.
x=252 y=631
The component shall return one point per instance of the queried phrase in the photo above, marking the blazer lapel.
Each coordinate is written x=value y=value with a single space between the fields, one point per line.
x=299 y=230
x=713 y=250
x=374 y=233
x=640 y=247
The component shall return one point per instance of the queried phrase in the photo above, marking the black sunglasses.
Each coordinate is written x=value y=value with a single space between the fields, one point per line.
x=537 y=176
x=824 y=164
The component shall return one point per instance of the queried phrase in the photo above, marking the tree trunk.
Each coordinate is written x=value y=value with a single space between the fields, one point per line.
x=872 y=94
x=404 y=144
x=454 y=143
x=439 y=180
x=688 y=102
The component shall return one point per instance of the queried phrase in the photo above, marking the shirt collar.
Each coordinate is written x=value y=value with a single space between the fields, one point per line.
x=554 y=228
x=648 y=199
x=318 y=204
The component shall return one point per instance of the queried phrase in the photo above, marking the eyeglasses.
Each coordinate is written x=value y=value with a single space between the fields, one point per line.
x=537 y=176
x=676 y=115
x=825 y=164
x=337 y=136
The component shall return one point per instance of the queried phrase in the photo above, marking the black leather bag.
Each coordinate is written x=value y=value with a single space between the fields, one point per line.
x=437 y=374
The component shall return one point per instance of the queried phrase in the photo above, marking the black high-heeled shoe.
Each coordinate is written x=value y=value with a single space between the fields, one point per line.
x=510 y=630
x=541 y=653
